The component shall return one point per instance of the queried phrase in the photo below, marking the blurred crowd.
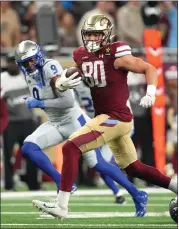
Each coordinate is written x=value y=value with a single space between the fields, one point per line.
x=129 y=18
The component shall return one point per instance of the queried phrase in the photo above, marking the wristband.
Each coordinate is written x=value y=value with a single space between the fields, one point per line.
x=151 y=89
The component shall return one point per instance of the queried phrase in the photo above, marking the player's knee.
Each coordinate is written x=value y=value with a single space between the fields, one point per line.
x=102 y=167
x=28 y=147
x=99 y=168
x=70 y=151
x=69 y=147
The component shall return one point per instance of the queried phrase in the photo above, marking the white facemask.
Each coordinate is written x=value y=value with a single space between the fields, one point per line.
x=92 y=46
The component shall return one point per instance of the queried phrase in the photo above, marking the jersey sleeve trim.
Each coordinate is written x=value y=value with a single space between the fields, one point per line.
x=123 y=51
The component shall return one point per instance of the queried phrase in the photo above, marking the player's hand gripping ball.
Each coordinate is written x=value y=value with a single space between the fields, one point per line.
x=69 y=79
x=72 y=70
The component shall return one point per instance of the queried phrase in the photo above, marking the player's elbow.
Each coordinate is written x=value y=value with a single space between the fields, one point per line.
x=152 y=70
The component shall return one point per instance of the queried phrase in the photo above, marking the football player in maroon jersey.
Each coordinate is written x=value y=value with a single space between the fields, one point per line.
x=105 y=67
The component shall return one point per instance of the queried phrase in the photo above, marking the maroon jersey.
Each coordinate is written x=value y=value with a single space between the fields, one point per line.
x=108 y=85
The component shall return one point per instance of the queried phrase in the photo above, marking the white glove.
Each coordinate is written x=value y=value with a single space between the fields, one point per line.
x=149 y=99
x=63 y=83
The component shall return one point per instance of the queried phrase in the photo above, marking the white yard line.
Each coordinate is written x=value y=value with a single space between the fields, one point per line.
x=83 y=199
x=111 y=205
x=20 y=213
x=97 y=225
x=83 y=215
x=94 y=192
x=128 y=198
x=86 y=204
x=16 y=205
x=89 y=214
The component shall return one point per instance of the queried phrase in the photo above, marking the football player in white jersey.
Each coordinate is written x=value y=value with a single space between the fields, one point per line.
x=65 y=117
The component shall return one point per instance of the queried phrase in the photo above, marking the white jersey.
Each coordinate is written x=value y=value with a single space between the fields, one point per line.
x=39 y=86
x=83 y=96
x=62 y=122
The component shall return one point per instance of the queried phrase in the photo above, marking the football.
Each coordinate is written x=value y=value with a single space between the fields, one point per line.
x=72 y=70
x=173 y=209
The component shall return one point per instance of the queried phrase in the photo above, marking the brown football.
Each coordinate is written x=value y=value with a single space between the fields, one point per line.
x=72 y=70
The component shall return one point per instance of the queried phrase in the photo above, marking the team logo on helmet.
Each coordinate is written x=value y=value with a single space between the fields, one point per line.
x=104 y=21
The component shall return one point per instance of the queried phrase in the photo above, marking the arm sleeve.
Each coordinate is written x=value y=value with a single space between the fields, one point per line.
x=65 y=100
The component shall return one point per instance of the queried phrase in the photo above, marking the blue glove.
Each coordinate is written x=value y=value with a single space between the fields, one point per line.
x=34 y=103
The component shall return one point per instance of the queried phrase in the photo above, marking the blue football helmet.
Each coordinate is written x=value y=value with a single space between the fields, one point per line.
x=29 y=57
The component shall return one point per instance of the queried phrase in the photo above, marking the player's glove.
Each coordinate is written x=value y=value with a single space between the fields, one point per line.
x=63 y=83
x=34 y=103
x=149 y=99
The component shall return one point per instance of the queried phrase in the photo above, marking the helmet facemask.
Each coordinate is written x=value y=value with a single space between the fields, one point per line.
x=29 y=65
x=32 y=64
x=101 y=39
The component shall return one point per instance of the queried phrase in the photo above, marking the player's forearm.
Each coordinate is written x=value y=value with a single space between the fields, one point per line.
x=151 y=78
x=151 y=75
x=61 y=103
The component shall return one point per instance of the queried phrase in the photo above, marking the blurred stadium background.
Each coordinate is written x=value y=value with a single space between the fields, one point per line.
x=150 y=28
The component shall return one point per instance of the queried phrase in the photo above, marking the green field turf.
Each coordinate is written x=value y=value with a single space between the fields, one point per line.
x=88 y=211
